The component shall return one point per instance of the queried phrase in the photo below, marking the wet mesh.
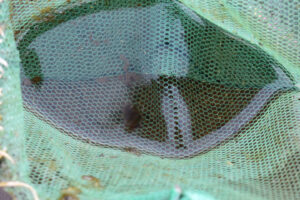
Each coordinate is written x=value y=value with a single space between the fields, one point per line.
x=123 y=98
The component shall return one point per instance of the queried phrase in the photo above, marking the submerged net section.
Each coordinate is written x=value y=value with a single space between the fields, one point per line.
x=126 y=98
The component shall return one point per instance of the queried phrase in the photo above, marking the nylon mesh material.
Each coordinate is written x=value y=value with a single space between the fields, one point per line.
x=135 y=99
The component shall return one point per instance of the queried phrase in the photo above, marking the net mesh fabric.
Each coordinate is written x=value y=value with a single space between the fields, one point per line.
x=145 y=95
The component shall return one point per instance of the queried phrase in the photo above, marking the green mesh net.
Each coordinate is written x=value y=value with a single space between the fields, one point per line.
x=162 y=99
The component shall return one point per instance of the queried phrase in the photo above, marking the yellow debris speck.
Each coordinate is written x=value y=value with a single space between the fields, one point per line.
x=93 y=180
x=46 y=10
x=71 y=190
x=229 y=163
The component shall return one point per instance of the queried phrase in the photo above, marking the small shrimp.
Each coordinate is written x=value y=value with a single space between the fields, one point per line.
x=125 y=68
x=129 y=77
x=132 y=117
x=95 y=42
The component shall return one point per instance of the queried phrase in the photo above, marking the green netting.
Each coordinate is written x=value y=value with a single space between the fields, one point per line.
x=157 y=99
